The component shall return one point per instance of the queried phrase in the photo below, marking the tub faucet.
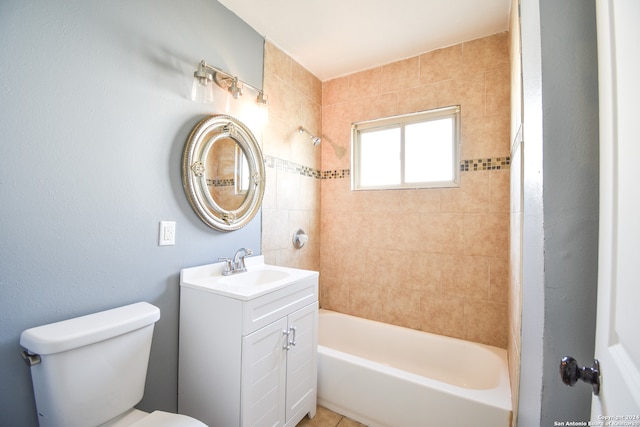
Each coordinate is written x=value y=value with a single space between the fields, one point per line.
x=236 y=265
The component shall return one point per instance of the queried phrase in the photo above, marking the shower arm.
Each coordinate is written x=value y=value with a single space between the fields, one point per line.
x=315 y=139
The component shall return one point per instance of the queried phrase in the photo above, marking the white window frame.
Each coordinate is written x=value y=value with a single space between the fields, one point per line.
x=400 y=122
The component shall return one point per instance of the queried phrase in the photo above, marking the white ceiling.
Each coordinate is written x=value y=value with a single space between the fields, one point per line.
x=332 y=38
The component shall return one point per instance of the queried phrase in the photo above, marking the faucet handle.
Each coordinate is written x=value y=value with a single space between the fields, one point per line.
x=227 y=268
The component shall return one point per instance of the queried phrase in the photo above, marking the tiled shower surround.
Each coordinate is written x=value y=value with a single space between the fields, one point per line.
x=430 y=259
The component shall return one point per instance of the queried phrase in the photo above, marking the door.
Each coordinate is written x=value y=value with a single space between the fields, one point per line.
x=301 y=361
x=618 y=325
x=264 y=376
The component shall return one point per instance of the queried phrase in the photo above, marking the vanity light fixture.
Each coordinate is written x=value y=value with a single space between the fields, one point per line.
x=202 y=91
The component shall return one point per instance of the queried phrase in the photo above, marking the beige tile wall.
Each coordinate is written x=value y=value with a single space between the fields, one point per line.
x=291 y=200
x=430 y=259
x=433 y=259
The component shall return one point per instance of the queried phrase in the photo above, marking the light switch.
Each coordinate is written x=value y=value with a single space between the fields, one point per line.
x=167 y=234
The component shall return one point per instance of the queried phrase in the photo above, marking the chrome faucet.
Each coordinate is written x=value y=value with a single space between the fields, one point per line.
x=236 y=265
x=238 y=258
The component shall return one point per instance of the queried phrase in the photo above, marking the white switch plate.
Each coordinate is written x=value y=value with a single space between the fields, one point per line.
x=167 y=234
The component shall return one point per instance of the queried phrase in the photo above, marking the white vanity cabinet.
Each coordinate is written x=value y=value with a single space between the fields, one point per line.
x=278 y=377
x=248 y=360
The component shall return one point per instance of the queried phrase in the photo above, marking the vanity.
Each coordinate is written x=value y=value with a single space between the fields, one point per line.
x=248 y=344
x=248 y=330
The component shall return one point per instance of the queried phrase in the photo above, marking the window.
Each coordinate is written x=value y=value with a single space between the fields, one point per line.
x=418 y=150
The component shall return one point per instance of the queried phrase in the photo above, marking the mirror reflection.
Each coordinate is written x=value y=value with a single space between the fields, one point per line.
x=227 y=174
x=223 y=172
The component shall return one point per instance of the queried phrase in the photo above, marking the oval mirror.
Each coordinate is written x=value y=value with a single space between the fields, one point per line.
x=223 y=172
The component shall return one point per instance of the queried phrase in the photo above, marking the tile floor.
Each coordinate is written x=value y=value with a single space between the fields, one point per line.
x=327 y=418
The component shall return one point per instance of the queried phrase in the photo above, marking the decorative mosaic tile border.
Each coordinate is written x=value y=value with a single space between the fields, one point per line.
x=221 y=182
x=496 y=163
x=336 y=174
x=287 y=166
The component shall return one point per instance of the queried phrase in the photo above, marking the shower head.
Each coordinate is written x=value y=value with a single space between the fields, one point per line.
x=315 y=139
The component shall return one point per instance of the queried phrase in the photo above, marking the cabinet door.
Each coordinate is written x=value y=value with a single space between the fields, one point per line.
x=301 y=361
x=264 y=376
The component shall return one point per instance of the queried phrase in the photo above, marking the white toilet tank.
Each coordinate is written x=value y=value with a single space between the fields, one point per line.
x=91 y=368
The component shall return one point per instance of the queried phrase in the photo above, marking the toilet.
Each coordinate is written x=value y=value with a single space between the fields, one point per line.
x=91 y=370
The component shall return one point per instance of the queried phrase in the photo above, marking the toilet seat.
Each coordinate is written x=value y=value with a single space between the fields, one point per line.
x=138 y=418
x=166 y=419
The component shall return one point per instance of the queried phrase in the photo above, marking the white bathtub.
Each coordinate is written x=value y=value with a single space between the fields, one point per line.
x=386 y=375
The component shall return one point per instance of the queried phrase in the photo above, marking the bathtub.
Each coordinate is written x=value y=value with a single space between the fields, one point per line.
x=386 y=375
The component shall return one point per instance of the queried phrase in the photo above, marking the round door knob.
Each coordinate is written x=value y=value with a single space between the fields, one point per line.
x=571 y=372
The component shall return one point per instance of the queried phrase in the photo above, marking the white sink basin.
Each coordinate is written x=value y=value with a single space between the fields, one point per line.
x=263 y=276
x=259 y=279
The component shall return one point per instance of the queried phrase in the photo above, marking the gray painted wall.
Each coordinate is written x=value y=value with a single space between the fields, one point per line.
x=570 y=123
x=94 y=113
x=561 y=205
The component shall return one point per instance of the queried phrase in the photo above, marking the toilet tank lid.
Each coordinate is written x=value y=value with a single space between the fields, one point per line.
x=80 y=331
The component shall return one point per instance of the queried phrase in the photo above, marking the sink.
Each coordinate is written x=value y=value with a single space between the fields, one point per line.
x=259 y=279
x=255 y=278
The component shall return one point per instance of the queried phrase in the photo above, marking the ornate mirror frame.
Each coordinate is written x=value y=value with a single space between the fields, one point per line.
x=198 y=177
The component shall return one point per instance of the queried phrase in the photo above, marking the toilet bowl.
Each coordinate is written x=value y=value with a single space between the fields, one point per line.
x=91 y=370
